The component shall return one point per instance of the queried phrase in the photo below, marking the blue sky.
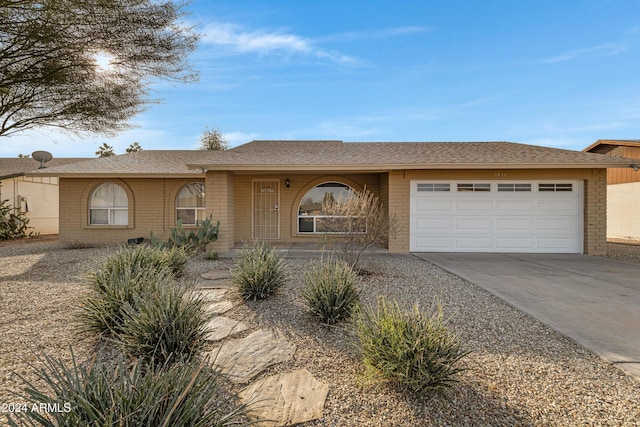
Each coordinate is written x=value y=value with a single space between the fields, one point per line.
x=553 y=73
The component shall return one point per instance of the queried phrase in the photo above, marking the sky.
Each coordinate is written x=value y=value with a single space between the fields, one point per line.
x=553 y=73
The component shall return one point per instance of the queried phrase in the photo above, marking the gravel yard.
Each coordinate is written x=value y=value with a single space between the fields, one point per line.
x=520 y=372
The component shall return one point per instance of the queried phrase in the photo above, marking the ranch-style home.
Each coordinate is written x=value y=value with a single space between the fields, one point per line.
x=445 y=196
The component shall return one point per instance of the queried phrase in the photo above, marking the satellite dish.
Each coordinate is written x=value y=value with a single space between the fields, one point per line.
x=42 y=157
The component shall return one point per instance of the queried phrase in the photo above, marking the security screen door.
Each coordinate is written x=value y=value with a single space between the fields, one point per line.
x=266 y=217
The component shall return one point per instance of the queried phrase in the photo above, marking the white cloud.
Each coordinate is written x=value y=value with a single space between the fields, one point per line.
x=234 y=39
x=606 y=49
x=376 y=34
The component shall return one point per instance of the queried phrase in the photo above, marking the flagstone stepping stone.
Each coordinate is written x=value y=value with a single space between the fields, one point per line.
x=243 y=358
x=212 y=295
x=219 y=307
x=221 y=327
x=216 y=275
x=214 y=284
x=285 y=399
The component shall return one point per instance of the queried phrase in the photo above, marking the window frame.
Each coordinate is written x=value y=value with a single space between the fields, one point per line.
x=317 y=220
x=196 y=209
x=109 y=209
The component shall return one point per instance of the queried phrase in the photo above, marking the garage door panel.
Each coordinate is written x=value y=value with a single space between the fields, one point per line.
x=557 y=205
x=473 y=243
x=434 y=205
x=434 y=244
x=474 y=205
x=433 y=223
x=515 y=206
x=497 y=221
x=555 y=224
x=525 y=224
x=482 y=224
x=508 y=244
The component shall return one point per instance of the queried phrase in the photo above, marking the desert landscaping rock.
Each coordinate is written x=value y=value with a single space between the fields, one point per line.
x=243 y=358
x=520 y=372
x=216 y=275
x=219 y=307
x=285 y=399
x=212 y=295
x=222 y=327
x=213 y=284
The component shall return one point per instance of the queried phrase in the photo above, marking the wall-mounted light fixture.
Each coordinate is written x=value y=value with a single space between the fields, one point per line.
x=635 y=167
x=287 y=182
x=202 y=169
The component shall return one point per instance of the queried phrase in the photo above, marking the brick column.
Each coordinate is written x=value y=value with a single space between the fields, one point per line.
x=398 y=201
x=219 y=200
x=595 y=213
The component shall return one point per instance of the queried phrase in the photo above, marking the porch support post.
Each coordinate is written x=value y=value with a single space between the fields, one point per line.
x=219 y=200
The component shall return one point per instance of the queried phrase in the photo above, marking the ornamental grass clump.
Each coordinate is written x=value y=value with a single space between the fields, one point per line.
x=330 y=290
x=409 y=349
x=259 y=272
x=168 y=325
x=126 y=394
x=116 y=285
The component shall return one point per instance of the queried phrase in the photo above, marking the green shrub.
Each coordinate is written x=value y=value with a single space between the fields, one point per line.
x=114 y=288
x=331 y=290
x=211 y=255
x=13 y=223
x=126 y=394
x=259 y=272
x=409 y=349
x=120 y=281
x=143 y=257
x=167 y=325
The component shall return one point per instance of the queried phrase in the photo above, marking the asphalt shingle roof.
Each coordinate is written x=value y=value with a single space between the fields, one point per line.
x=16 y=166
x=335 y=155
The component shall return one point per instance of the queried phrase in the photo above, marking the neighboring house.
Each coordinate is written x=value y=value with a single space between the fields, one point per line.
x=447 y=197
x=35 y=196
x=623 y=189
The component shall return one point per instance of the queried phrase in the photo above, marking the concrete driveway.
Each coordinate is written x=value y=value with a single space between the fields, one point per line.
x=594 y=301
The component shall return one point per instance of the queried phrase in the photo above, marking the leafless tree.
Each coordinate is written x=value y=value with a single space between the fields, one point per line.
x=212 y=140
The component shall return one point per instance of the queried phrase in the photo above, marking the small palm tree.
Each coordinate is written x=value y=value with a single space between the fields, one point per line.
x=105 y=150
x=134 y=148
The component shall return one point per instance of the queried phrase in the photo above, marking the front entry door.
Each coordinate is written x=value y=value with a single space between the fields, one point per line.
x=266 y=216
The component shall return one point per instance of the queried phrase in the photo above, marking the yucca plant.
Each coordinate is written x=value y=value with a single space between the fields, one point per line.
x=259 y=272
x=330 y=290
x=126 y=394
x=409 y=349
x=114 y=288
x=167 y=325
x=142 y=257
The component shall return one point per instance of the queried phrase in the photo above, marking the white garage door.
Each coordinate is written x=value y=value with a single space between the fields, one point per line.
x=496 y=216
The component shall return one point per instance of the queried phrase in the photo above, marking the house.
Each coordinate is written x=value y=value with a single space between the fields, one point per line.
x=445 y=196
x=623 y=189
x=35 y=196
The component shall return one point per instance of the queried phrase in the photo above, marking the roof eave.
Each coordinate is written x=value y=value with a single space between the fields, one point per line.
x=385 y=167
x=116 y=175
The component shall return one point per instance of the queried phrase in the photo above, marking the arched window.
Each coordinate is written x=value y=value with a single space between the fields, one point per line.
x=190 y=203
x=320 y=210
x=108 y=205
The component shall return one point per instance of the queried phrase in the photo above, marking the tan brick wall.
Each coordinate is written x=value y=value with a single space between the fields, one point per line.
x=221 y=203
x=595 y=213
x=151 y=208
x=399 y=208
